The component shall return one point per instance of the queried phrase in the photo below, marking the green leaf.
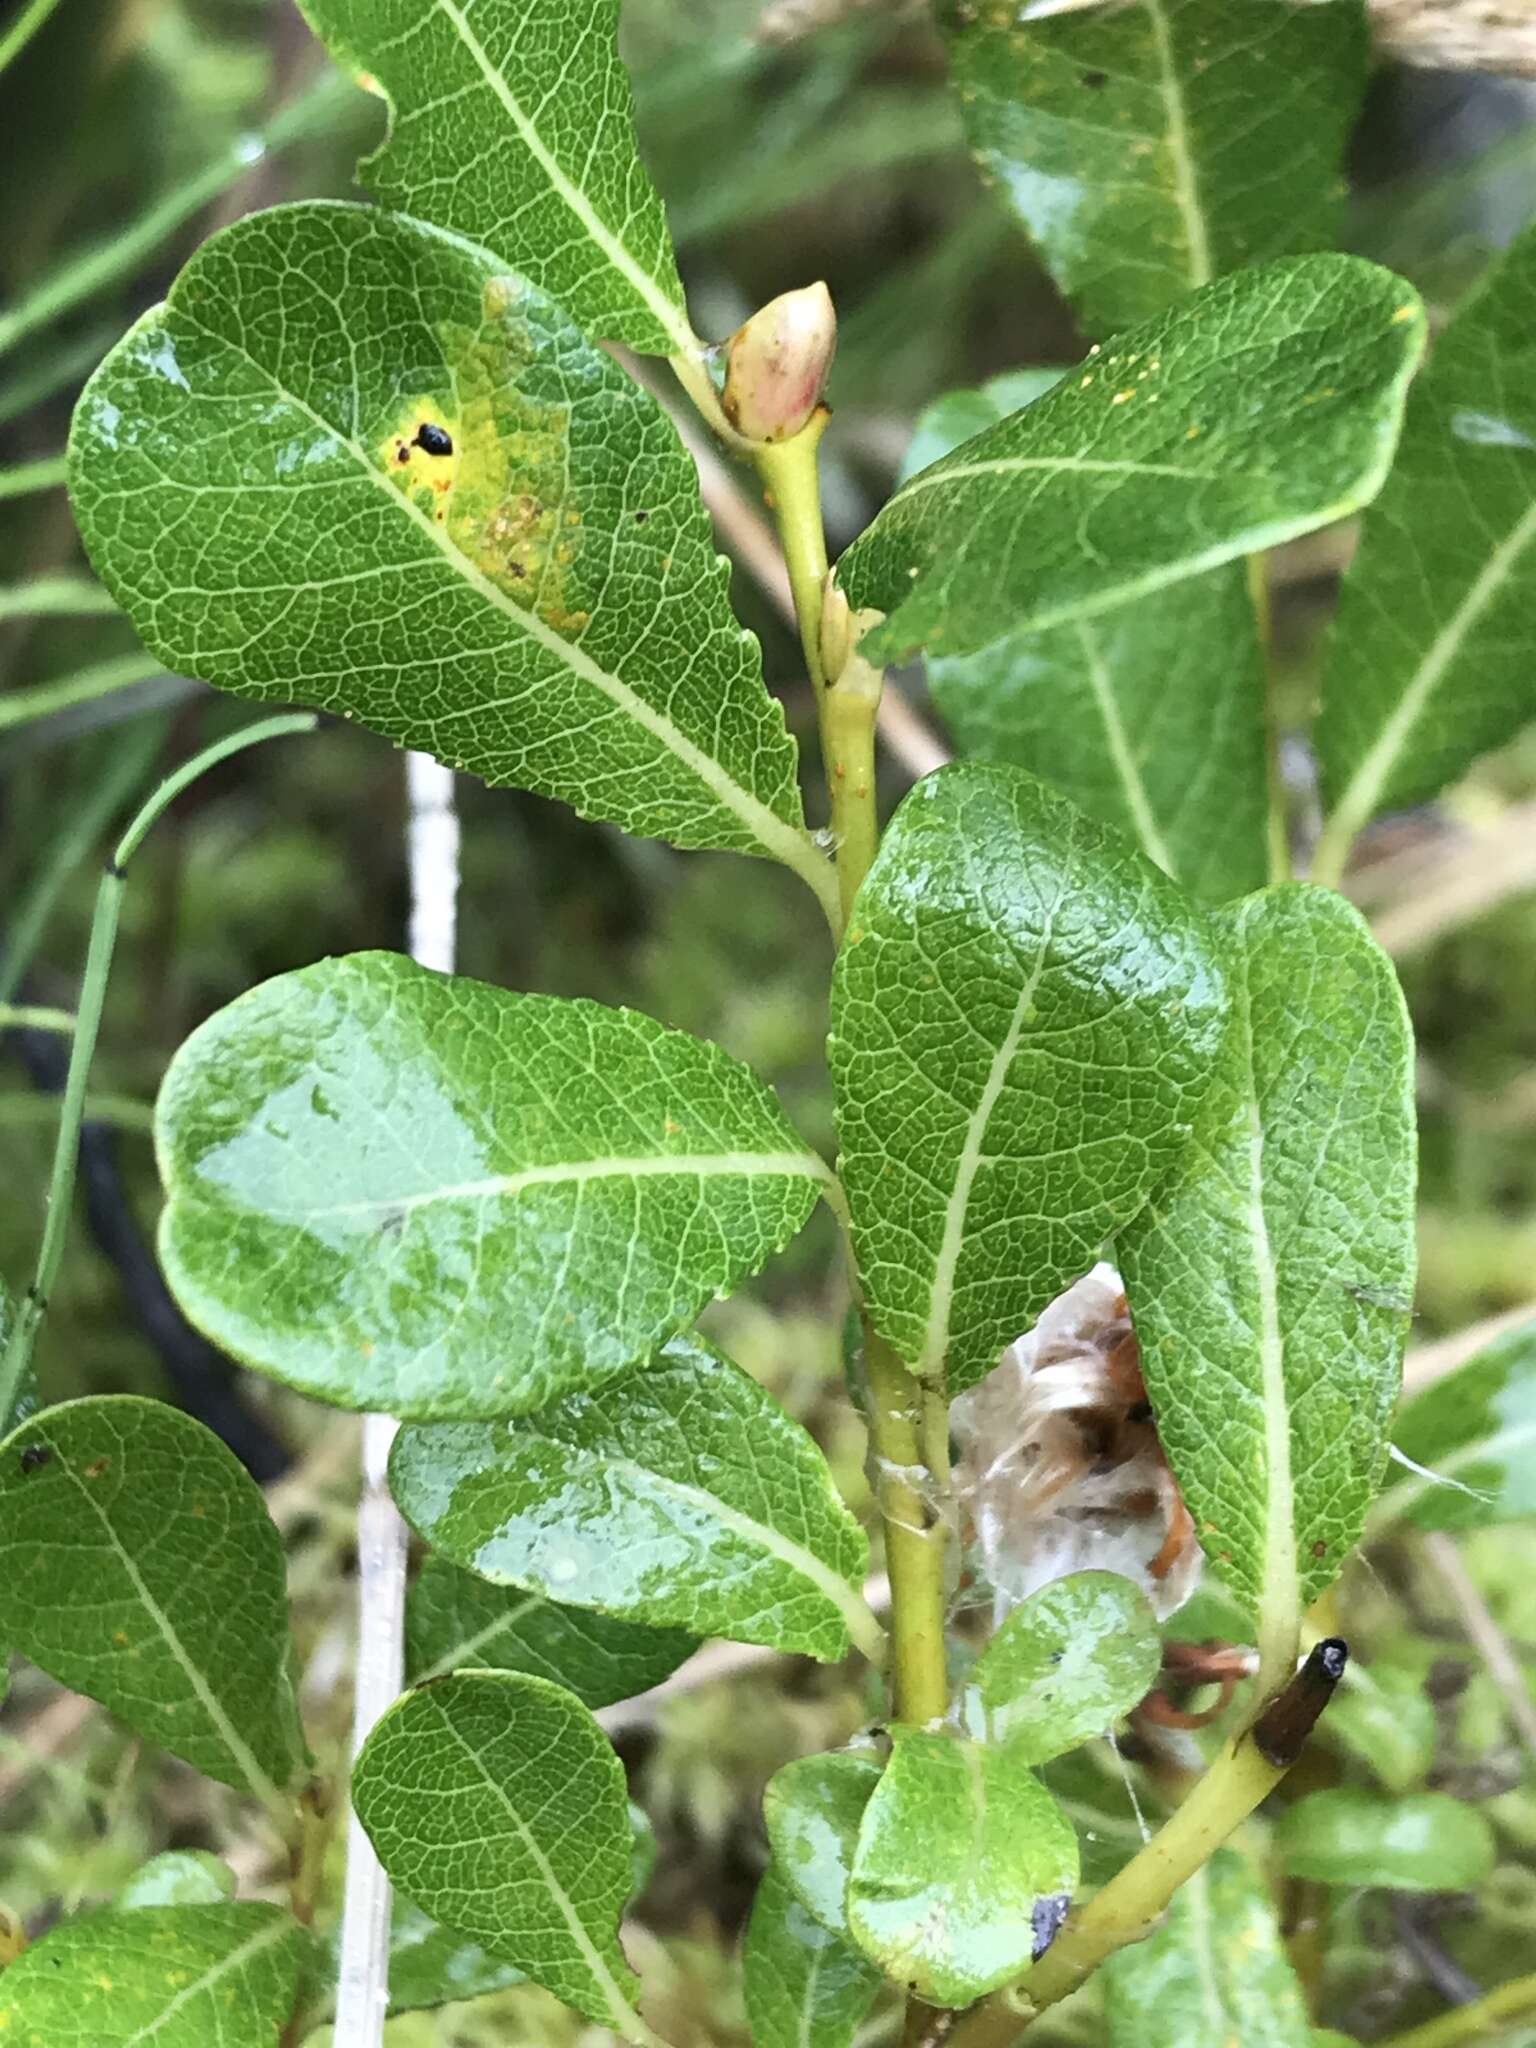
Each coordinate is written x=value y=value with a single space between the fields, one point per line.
x=512 y=123
x=964 y=1871
x=1433 y=652
x=431 y=1966
x=804 y=1987
x=1213 y=1973
x=684 y=1497
x=1424 y=1842
x=173 y=1976
x=497 y=1805
x=1382 y=1715
x=813 y=1808
x=1263 y=406
x=1271 y=1279
x=1024 y=1015
x=399 y=1190
x=139 y=1566
x=1065 y=1666
x=542 y=606
x=179 y=1877
x=1150 y=148
x=957 y=415
x=1474 y=1431
x=1182 y=772
x=455 y=1620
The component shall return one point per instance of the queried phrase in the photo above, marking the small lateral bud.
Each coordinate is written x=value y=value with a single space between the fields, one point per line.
x=1281 y=1731
x=776 y=364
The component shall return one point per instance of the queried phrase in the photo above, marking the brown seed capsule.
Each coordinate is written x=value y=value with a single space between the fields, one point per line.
x=1281 y=1731
x=776 y=364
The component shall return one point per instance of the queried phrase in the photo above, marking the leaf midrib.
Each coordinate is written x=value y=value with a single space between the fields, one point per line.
x=277 y=1930
x=1153 y=844
x=780 y=841
x=569 y=1173
x=1186 y=182
x=667 y=315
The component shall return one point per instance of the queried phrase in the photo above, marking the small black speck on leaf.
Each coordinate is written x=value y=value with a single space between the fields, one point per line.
x=641 y=518
x=35 y=1457
x=432 y=439
x=1095 y=80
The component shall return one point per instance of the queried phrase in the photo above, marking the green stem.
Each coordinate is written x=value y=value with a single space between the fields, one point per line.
x=93 y=991
x=1128 y=1906
x=101 y=679
x=1330 y=857
x=23 y=478
x=907 y=1493
x=789 y=473
x=28 y=1017
x=55 y=597
x=1277 y=824
x=23 y=29
x=1476 y=2022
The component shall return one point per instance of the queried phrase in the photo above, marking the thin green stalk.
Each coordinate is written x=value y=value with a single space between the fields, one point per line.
x=790 y=477
x=106 y=262
x=101 y=679
x=28 y=1017
x=1479 y=2021
x=93 y=990
x=126 y=765
x=23 y=29
x=907 y=1492
x=23 y=478
x=1330 y=857
x=1277 y=824
x=57 y=597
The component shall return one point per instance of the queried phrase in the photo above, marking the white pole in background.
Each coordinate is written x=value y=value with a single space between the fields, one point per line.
x=362 y=1991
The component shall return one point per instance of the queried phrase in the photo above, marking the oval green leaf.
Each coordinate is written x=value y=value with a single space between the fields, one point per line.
x=1212 y=1974
x=1271 y=1279
x=804 y=1987
x=684 y=1497
x=1065 y=1666
x=535 y=596
x=173 y=1976
x=1149 y=148
x=457 y=1621
x=512 y=123
x=1433 y=653
x=1024 y=1015
x=403 y=1191
x=1422 y=1842
x=139 y=1566
x=1383 y=1715
x=964 y=1871
x=1263 y=406
x=180 y=1877
x=498 y=1806
x=814 y=1807
x=1473 y=1434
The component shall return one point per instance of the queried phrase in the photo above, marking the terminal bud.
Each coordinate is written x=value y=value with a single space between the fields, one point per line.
x=776 y=364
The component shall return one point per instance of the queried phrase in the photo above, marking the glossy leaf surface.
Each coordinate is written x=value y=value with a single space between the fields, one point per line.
x=1088 y=707
x=456 y=1621
x=683 y=1496
x=1214 y=1972
x=173 y=1976
x=1263 y=406
x=497 y=1805
x=805 y=1987
x=179 y=1877
x=513 y=124
x=814 y=1807
x=964 y=1871
x=1024 y=1016
x=1433 y=653
x=401 y=1190
x=1149 y=148
x=1271 y=1279
x=1065 y=1666
x=539 y=601
x=1421 y=1842
x=1475 y=1430
x=139 y=1566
